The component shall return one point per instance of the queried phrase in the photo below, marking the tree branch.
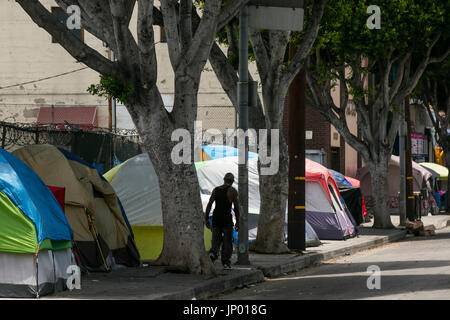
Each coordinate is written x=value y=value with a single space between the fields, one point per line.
x=306 y=45
x=260 y=52
x=230 y=11
x=74 y=46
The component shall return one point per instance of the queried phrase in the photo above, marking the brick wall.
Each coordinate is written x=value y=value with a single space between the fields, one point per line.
x=320 y=128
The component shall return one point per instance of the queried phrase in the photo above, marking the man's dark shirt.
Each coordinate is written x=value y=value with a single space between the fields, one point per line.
x=222 y=212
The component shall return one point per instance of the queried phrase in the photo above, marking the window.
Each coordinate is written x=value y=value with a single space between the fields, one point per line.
x=63 y=16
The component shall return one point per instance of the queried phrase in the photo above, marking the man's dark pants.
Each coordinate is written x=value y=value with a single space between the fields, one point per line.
x=222 y=236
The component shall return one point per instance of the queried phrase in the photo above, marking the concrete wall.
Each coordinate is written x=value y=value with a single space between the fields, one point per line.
x=28 y=54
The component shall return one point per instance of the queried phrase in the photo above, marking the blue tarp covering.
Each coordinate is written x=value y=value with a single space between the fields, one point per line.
x=222 y=151
x=28 y=192
x=339 y=178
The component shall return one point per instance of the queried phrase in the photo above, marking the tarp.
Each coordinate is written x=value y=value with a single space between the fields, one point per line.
x=340 y=178
x=87 y=196
x=213 y=151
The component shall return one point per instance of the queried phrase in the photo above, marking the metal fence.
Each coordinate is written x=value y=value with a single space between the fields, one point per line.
x=215 y=120
x=98 y=146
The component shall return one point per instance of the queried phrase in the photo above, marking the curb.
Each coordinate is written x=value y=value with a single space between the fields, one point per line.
x=305 y=261
x=443 y=224
x=217 y=286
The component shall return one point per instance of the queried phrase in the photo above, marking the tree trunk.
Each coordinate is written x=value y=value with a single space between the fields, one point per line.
x=273 y=193
x=183 y=220
x=380 y=191
x=273 y=196
x=183 y=227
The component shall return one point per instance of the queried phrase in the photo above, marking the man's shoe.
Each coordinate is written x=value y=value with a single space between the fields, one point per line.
x=212 y=256
x=227 y=267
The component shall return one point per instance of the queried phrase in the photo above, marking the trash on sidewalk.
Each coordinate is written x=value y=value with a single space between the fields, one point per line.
x=418 y=229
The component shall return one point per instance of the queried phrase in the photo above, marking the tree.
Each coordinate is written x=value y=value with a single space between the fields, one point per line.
x=268 y=49
x=136 y=69
x=376 y=70
x=433 y=90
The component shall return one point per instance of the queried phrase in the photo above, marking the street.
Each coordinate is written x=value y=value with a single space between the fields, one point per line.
x=415 y=268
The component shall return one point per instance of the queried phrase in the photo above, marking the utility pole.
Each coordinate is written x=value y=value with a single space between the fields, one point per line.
x=402 y=149
x=410 y=205
x=243 y=98
x=296 y=146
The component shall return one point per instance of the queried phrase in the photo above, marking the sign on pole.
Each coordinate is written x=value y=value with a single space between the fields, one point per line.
x=276 y=15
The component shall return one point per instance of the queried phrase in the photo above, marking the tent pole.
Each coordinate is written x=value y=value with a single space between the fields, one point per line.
x=95 y=235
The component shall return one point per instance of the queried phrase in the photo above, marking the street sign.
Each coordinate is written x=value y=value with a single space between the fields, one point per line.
x=276 y=15
x=278 y=3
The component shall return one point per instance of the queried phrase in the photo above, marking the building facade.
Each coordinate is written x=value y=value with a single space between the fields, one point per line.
x=36 y=72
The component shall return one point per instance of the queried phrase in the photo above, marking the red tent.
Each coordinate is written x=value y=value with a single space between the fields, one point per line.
x=315 y=171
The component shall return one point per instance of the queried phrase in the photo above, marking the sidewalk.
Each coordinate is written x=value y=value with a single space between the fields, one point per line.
x=154 y=283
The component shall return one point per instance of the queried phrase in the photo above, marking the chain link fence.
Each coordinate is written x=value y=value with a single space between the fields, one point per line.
x=215 y=121
x=98 y=146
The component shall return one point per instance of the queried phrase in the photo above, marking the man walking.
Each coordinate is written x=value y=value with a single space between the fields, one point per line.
x=225 y=196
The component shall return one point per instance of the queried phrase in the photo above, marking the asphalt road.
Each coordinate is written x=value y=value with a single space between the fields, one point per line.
x=414 y=268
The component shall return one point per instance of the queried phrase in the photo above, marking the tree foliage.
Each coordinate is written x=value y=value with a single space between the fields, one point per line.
x=110 y=86
x=376 y=70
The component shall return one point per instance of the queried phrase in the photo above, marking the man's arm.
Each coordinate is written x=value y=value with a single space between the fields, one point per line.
x=236 y=209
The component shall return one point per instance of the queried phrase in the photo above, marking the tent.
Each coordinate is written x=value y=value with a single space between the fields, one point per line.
x=352 y=196
x=35 y=236
x=325 y=211
x=136 y=184
x=421 y=180
x=101 y=235
x=437 y=171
